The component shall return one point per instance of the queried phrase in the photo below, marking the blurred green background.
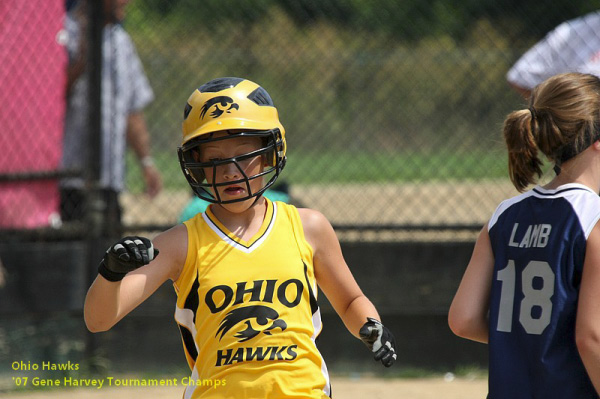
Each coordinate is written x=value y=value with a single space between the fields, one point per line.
x=399 y=95
x=367 y=90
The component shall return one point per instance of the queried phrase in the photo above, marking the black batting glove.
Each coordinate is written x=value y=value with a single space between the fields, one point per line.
x=127 y=254
x=379 y=340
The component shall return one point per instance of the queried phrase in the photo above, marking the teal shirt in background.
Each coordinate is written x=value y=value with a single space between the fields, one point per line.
x=196 y=205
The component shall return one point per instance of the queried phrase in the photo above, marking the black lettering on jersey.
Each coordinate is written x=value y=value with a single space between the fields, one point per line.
x=238 y=356
x=289 y=294
x=223 y=357
x=291 y=352
x=210 y=302
x=263 y=315
x=277 y=353
x=269 y=290
x=281 y=293
x=258 y=354
x=241 y=290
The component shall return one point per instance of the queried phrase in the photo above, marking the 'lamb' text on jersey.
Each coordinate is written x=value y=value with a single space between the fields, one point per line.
x=536 y=235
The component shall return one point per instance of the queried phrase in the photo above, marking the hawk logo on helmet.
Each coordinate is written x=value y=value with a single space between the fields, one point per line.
x=262 y=316
x=222 y=104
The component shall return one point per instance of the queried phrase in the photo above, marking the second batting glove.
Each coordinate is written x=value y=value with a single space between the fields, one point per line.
x=379 y=340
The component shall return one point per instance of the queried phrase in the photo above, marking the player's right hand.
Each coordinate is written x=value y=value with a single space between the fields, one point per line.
x=379 y=340
x=127 y=254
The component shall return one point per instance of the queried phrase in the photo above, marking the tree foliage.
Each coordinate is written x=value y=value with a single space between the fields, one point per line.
x=406 y=19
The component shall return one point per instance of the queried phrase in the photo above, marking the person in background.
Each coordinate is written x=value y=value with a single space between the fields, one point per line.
x=532 y=287
x=125 y=93
x=573 y=46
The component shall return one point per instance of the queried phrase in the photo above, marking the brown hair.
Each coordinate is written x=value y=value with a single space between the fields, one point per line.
x=562 y=120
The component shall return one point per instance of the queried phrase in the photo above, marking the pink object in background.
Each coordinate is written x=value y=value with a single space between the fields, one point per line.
x=32 y=105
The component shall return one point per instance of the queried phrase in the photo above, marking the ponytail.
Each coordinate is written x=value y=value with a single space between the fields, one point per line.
x=561 y=122
x=523 y=160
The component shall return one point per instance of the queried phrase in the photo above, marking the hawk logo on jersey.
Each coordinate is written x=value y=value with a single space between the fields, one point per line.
x=262 y=315
x=221 y=105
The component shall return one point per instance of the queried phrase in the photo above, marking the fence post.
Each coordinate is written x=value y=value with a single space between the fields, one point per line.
x=94 y=201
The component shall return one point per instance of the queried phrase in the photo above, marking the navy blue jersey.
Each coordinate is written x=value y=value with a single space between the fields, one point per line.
x=539 y=241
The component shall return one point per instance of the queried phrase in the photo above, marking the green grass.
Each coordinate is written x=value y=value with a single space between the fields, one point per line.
x=402 y=167
x=351 y=167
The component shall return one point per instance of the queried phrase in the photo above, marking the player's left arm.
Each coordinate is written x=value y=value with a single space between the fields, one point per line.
x=338 y=284
x=468 y=315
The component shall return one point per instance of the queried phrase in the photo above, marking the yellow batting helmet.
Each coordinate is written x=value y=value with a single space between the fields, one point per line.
x=242 y=108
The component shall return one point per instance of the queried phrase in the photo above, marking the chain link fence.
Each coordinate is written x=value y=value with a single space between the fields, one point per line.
x=392 y=109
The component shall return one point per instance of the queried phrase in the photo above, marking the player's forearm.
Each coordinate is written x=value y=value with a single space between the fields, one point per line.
x=472 y=328
x=101 y=307
x=467 y=319
x=589 y=350
x=356 y=313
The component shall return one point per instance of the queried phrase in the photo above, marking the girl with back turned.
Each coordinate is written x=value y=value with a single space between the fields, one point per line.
x=532 y=287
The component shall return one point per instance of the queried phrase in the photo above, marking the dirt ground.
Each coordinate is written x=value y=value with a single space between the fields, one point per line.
x=343 y=388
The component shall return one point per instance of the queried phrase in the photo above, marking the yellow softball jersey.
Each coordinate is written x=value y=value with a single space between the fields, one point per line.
x=247 y=310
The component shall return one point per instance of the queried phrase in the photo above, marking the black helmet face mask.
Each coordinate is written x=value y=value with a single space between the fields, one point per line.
x=207 y=187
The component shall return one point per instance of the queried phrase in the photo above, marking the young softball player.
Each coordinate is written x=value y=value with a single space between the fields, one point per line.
x=246 y=270
x=532 y=287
